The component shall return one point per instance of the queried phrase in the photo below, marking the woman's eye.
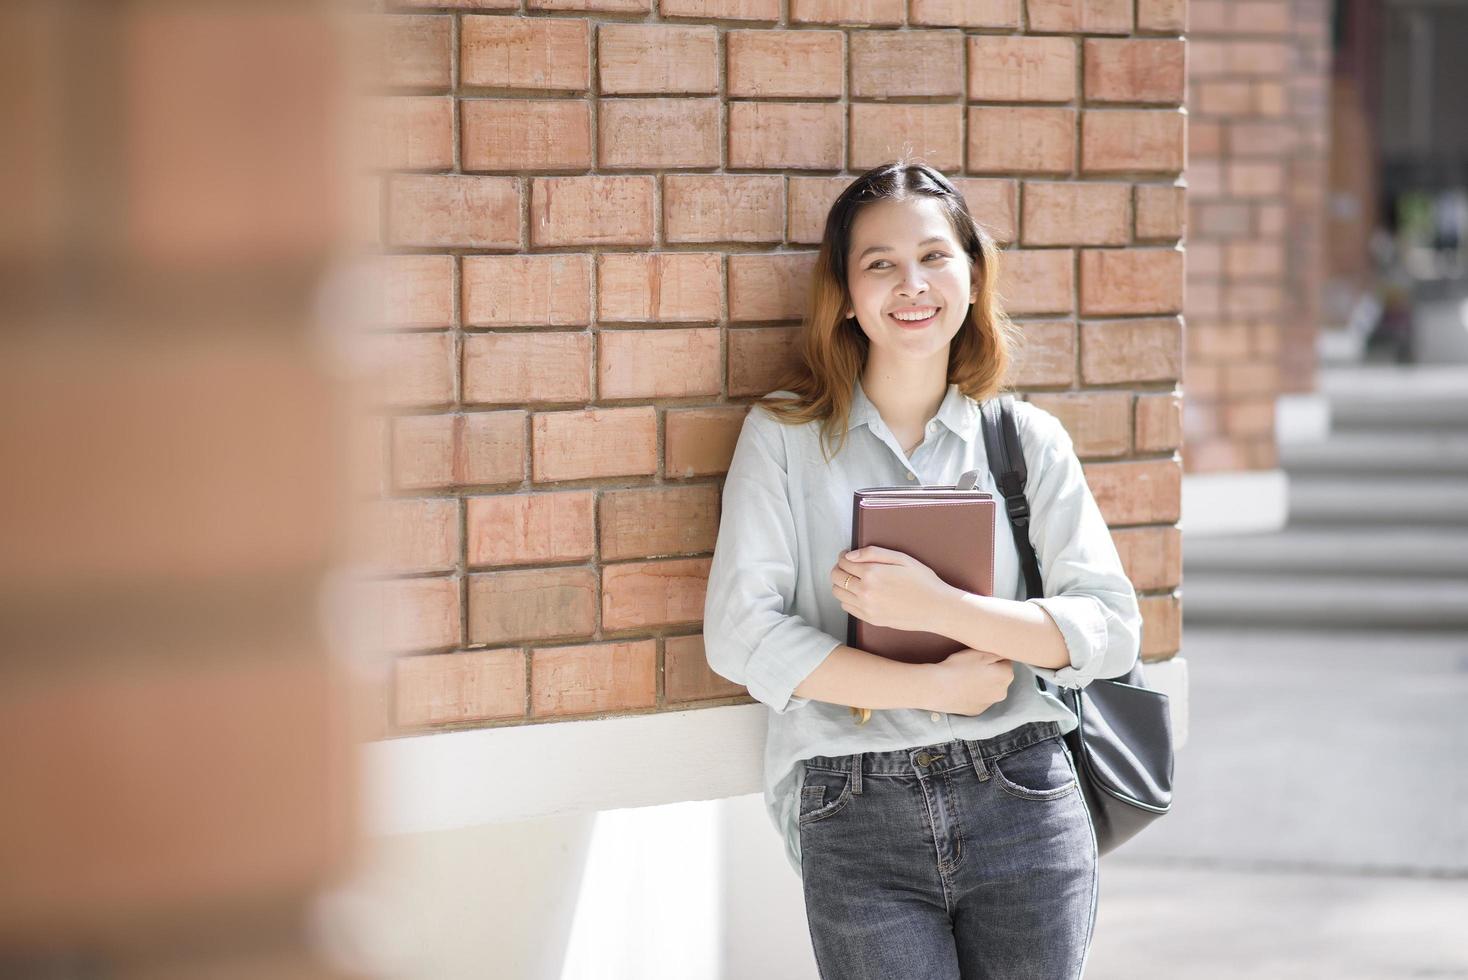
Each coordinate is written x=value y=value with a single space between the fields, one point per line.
x=928 y=256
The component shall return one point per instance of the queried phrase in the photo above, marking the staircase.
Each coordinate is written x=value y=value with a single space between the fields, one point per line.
x=1377 y=534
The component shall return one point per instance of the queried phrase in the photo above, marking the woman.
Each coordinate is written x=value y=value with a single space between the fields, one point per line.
x=942 y=832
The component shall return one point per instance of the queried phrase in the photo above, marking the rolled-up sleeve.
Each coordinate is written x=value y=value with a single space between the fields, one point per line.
x=1087 y=592
x=748 y=635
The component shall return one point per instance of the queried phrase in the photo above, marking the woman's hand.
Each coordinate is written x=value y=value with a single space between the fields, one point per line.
x=970 y=681
x=889 y=588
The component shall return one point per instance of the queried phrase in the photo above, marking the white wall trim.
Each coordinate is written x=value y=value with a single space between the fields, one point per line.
x=1237 y=502
x=1301 y=418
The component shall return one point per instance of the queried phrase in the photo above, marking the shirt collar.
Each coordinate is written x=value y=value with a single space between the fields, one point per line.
x=958 y=411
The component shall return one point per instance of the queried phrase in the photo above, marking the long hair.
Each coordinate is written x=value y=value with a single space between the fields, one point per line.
x=833 y=349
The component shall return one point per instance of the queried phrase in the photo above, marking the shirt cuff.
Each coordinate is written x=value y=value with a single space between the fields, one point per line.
x=1082 y=624
x=786 y=656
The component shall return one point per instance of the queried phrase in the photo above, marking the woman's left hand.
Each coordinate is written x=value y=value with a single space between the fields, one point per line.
x=889 y=588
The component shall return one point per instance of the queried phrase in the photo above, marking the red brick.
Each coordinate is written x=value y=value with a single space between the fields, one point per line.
x=641 y=594
x=1020 y=139
x=430 y=451
x=523 y=368
x=721 y=9
x=1114 y=351
x=416 y=290
x=1135 y=280
x=769 y=286
x=786 y=135
x=593 y=678
x=906 y=63
x=467 y=685
x=592 y=210
x=1021 y=69
x=1046 y=354
x=686 y=672
x=659 y=287
x=454 y=211
x=757 y=359
x=723 y=208
x=527 y=290
x=525 y=53
x=1255 y=179
x=598 y=6
x=861 y=13
x=651 y=522
x=1162 y=212
x=1080 y=16
x=1162 y=624
x=1057 y=213
x=409 y=133
x=1134 y=70
x=401 y=536
x=1152 y=556
x=700 y=441
x=1037 y=280
x=406 y=615
x=1162 y=16
x=965 y=13
x=1137 y=492
x=597 y=442
x=656 y=133
x=785 y=64
x=639 y=58
x=932 y=133
x=530 y=528
x=1133 y=141
x=810 y=202
x=532 y=604
x=415 y=51
x=1099 y=422
x=993 y=203
x=410 y=369
x=526 y=134
x=659 y=363
x=1159 y=422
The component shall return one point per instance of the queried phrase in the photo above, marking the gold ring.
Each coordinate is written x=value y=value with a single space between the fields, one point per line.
x=847 y=583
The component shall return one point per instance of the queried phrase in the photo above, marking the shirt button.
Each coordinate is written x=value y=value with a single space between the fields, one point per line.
x=910 y=476
x=936 y=716
x=932 y=426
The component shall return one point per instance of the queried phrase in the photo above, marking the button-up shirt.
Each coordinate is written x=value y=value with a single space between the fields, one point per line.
x=770 y=616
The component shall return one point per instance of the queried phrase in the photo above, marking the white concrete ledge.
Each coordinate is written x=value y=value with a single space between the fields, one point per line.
x=1241 y=502
x=1301 y=419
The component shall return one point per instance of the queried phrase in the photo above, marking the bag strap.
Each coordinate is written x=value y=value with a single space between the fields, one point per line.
x=1007 y=463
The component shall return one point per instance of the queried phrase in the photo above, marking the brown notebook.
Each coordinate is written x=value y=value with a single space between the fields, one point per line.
x=950 y=530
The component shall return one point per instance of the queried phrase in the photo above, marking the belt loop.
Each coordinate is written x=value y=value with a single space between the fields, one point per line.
x=856 y=773
x=977 y=755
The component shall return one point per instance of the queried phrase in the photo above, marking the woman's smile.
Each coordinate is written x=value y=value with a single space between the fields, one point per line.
x=907 y=322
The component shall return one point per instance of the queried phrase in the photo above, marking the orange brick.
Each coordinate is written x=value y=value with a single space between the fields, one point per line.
x=1162 y=16
x=639 y=58
x=593 y=678
x=810 y=202
x=1134 y=280
x=861 y=13
x=1136 y=492
x=467 y=685
x=648 y=133
x=1021 y=69
x=1099 y=422
x=658 y=363
x=399 y=536
x=773 y=286
x=518 y=52
x=786 y=135
x=1114 y=351
x=993 y=203
x=686 y=672
x=906 y=63
x=757 y=359
x=597 y=442
x=521 y=368
x=1223 y=98
x=410 y=369
x=700 y=441
x=1080 y=16
x=1069 y=213
x=934 y=133
x=721 y=9
x=407 y=615
x=651 y=522
x=530 y=528
x=416 y=290
x=1243 y=260
x=1205 y=138
x=415 y=51
x=1021 y=139
x=527 y=290
x=1253 y=378
x=1152 y=556
x=598 y=6
x=526 y=134
x=410 y=133
x=785 y=64
x=1037 y=280
x=723 y=208
x=454 y=211
x=532 y=604
x=965 y=13
x=1162 y=212
x=1257 y=58
x=1249 y=417
x=659 y=286
x=1255 y=178
x=1046 y=354
x=1260 y=139
x=1133 y=140
x=482 y=448
x=1159 y=422
x=1162 y=626
x=1134 y=70
x=641 y=594
x=592 y=210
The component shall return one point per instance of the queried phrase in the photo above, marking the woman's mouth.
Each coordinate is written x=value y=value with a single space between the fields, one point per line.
x=914 y=324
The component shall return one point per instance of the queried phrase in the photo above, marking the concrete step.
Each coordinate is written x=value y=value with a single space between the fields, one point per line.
x=1368 y=551
x=1394 y=500
x=1395 y=396
x=1376 y=452
x=1258 y=599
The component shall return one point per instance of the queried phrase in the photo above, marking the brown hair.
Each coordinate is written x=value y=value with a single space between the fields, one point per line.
x=833 y=349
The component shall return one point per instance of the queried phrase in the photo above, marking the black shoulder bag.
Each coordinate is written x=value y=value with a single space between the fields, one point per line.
x=1122 y=747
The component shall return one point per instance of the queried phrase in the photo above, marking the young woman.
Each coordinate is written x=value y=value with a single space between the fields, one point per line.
x=941 y=832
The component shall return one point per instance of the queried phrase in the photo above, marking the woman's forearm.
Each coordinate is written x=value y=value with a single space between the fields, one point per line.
x=1015 y=630
x=864 y=680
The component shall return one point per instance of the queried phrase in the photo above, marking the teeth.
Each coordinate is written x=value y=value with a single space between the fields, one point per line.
x=914 y=316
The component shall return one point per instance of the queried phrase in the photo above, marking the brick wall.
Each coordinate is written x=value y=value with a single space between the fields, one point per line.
x=1257 y=174
x=599 y=223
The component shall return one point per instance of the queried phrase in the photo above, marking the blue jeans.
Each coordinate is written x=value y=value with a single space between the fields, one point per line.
x=971 y=859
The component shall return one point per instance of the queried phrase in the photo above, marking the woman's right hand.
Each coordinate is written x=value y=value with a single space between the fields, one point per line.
x=969 y=681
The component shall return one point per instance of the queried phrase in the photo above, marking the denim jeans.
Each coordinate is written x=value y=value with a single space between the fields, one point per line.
x=972 y=859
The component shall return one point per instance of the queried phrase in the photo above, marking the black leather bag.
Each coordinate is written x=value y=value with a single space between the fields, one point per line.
x=1122 y=747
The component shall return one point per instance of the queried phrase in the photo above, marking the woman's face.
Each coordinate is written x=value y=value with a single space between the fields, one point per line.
x=905 y=259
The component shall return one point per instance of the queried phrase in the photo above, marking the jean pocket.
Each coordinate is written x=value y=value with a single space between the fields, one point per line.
x=824 y=793
x=1040 y=771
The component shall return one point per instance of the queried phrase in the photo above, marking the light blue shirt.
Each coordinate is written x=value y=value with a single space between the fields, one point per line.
x=770 y=617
